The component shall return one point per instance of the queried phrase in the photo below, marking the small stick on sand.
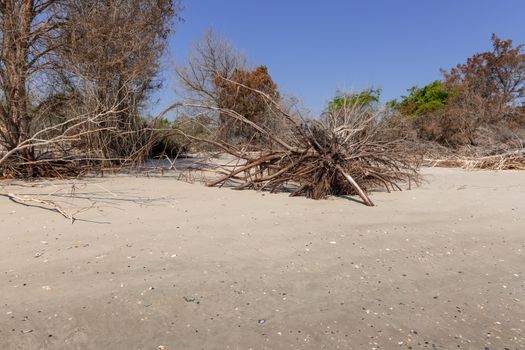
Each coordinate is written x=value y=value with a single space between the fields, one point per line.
x=54 y=206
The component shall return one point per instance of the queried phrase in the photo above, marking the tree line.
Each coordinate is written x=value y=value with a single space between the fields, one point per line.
x=75 y=76
x=477 y=105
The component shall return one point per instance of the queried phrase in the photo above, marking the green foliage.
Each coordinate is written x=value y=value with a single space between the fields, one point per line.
x=366 y=98
x=429 y=98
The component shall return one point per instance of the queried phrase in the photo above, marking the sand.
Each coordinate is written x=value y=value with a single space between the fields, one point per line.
x=158 y=263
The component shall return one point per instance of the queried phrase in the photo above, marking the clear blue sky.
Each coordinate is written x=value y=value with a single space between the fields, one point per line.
x=312 y=48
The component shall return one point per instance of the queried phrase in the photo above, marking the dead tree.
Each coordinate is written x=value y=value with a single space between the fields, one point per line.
x=112 y=50
x=211 y=57
x=351 y=150
x=74 y=75
x=55 y=147
x=246 y=102
x=27 y=38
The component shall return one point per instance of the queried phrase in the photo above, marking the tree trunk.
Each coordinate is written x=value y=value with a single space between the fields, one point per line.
x=17 y=17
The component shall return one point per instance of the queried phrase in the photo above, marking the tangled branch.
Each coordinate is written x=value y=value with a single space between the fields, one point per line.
x=349 y=151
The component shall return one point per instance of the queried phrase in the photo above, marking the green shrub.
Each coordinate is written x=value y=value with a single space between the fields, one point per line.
x=429 y=98
x=365 y=98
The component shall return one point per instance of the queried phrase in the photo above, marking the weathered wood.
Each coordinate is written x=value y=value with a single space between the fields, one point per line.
x=361 y=193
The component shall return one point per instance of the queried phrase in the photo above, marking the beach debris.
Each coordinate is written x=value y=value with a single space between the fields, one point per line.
x=348 y=151
x=192 y=300
x=511 y=160
x=48 y=204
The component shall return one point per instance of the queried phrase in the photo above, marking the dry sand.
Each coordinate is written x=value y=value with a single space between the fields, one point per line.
x=159 y=262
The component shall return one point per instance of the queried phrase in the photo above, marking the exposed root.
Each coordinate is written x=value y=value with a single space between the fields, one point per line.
x=350 y=151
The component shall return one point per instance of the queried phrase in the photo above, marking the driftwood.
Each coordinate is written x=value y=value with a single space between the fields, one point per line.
x=48 y=204
x=349 y=151
x=513 y=160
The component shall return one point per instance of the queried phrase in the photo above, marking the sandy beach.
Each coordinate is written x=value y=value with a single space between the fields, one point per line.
x=155 y=263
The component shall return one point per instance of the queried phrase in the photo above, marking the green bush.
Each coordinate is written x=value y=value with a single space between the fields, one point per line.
x=365 y=98
x=420 y=101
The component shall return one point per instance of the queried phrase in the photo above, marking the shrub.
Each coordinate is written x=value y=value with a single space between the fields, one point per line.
x=423 y=100
x=367 y=98
x=476 y=103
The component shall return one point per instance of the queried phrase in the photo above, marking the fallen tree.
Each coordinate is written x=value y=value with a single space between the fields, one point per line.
x=351 y=150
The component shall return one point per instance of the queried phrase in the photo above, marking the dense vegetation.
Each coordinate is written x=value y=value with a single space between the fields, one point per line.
x=477 y=103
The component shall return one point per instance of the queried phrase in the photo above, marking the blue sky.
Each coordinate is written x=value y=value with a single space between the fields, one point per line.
x=313 y=48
